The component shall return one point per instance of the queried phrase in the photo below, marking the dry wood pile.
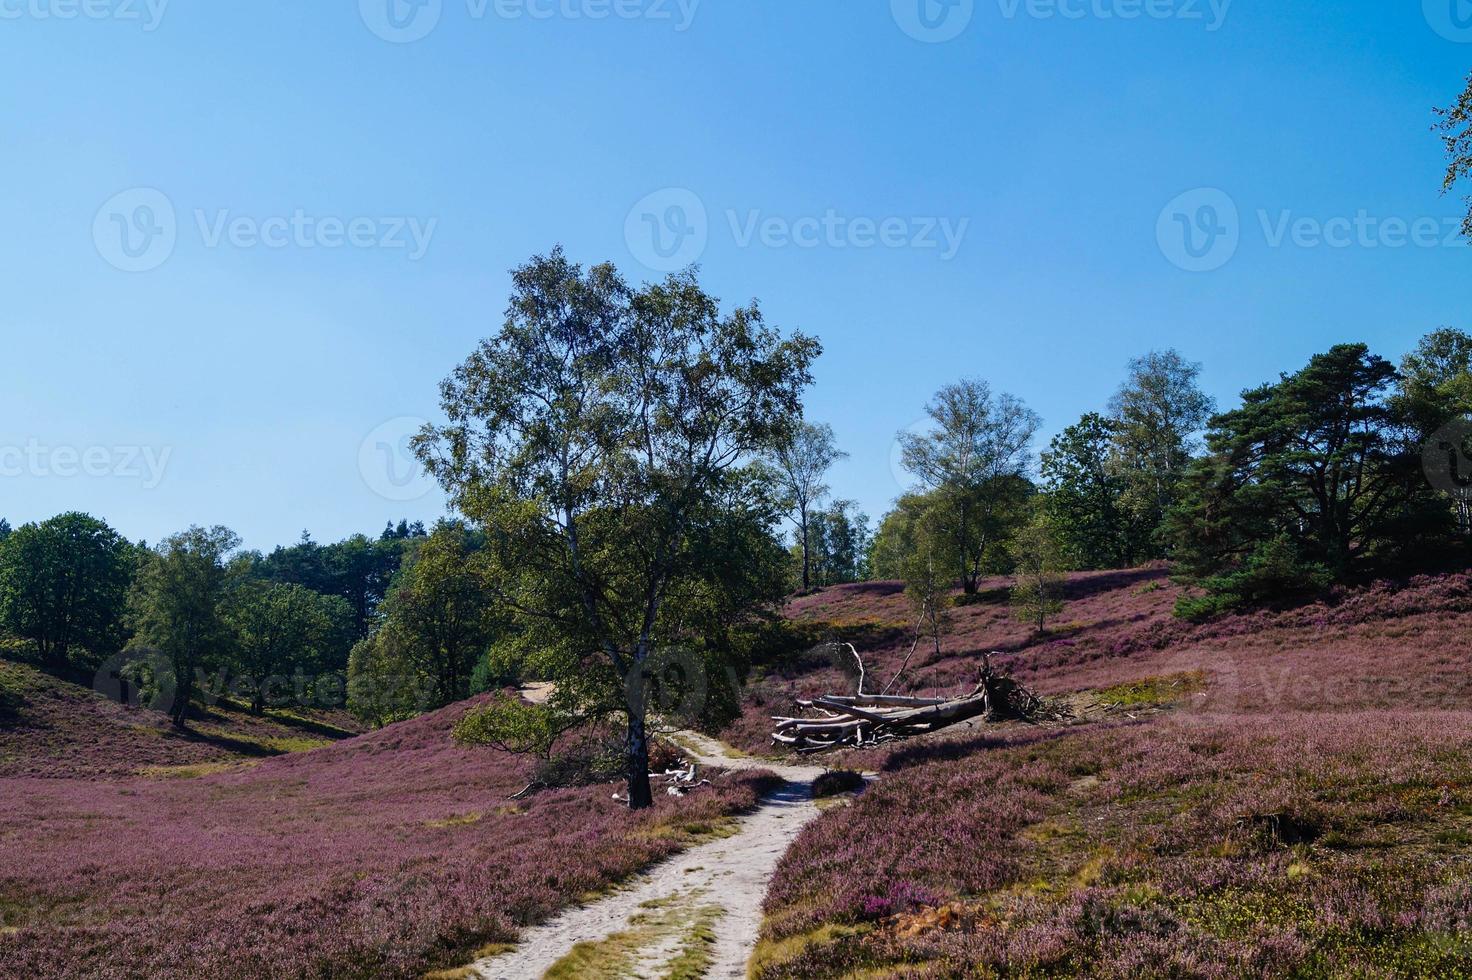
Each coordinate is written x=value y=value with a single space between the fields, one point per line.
x=868 y=719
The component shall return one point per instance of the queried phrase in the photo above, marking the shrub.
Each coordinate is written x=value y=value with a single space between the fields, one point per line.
x=837 y=781
x=1274 y=572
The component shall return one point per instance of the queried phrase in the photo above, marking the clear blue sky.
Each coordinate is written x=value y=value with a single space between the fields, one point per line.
x=243 y=379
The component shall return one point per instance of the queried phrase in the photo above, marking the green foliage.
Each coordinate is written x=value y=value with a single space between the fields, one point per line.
x=599 y=438
x=838 y=545
x=442 y=616
x=1086 y=496
x=279 y=628
x=1321 y=460
x=972 y=466
x=1038 y=591
x=798 y=460
x=1275 y=571
x=359 y=569
x=180 y=606
x=64 y=584
x=512 y=725
x=1155 y=415
x=1455 y=126
x=383 y=684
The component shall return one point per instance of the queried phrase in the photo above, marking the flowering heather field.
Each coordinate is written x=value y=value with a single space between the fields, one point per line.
x=1304 y=846
x=383 y=856
x=1386 y=645
x=1280 y=793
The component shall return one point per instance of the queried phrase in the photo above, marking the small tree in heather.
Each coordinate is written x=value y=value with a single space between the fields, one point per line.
x=1038 y=591
x=596 y=438
x=180 y=606
x=973 y=462
x=799 y=460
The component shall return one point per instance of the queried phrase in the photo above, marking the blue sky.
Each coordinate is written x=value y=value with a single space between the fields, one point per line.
x=272 y=162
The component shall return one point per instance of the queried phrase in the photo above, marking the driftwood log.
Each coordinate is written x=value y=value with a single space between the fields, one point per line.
x=868 y=719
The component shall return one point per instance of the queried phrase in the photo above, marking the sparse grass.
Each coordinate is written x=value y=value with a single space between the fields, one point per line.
x=197 y=770
x=461 y=820
x=694 y=958
x=617 y=955
x=1153 y=691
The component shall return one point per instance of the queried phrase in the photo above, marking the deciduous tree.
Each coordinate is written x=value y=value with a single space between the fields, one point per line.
x=180 y=606
x=592 y=438
x=64 y=584
x=973 y=463
x=800 y=460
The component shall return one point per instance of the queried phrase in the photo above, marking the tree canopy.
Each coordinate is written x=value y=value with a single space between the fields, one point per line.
x=598 y=438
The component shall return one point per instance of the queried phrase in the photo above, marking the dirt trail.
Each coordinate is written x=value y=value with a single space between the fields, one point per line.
x=645 y=925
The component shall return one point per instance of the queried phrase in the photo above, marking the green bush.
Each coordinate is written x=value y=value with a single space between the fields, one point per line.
x=1274 y=573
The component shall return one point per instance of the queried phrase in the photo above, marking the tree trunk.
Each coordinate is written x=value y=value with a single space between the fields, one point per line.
x=805 y=565
x=183 y=692
x=637 y=757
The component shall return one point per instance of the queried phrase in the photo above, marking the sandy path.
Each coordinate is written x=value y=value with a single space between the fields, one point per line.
x=731 y=873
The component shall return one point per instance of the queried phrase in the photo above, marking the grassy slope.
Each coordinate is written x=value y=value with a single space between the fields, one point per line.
x=383 y=855
x=52 y=729
x=1274 y=793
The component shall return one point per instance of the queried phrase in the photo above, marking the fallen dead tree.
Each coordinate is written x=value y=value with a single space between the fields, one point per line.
x=867 y=719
